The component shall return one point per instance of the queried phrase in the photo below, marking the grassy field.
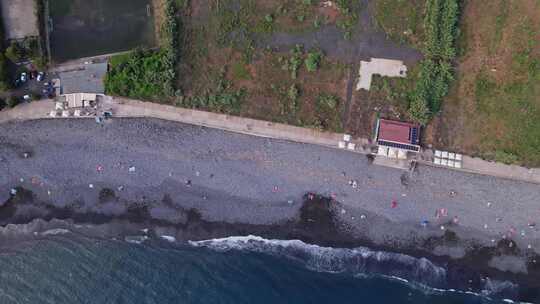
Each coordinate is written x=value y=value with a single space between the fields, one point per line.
x=402 y=20
x=493 y=110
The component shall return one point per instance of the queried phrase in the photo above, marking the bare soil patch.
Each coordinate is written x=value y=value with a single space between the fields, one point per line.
x=239 y=46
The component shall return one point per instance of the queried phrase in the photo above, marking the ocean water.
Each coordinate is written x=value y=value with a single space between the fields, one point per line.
x=62 y=267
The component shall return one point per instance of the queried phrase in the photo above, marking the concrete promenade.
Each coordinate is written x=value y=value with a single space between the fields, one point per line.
x=123 y=107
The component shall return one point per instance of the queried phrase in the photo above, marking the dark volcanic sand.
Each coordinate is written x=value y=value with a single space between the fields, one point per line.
x=197 y=183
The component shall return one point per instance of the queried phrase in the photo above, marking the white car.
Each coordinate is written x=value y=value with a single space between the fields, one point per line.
x=24 y=77
x=40 y=76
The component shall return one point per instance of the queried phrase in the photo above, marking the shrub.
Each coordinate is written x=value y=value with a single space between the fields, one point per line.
x=293 y=93
x=313 y=61
x=328 y=101
x=328 y=116
x=15 y=53
x=506 y=157
x=294 y=62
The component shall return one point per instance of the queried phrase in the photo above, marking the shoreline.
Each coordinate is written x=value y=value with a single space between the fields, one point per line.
x=316 y=225
x=241 y=185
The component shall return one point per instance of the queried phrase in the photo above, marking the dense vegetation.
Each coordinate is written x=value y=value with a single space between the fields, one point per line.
x=147 y=74
x=4 y=77
x=436 y=73
x=141 y=74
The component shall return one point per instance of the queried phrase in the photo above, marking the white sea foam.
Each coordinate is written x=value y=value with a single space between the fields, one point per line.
x=326 y=259
x=55 y=231
x=168 y=238
x=361 y=261
x=136 y=239
x=35 y=227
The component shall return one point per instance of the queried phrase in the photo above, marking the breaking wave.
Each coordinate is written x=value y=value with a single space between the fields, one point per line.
x=360 y=260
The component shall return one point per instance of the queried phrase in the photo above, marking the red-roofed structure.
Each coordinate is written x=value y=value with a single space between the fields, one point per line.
x=398 y=134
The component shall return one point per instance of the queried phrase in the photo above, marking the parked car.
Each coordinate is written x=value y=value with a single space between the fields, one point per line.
x=40 y=76
x=27 y=98
x=24 y=77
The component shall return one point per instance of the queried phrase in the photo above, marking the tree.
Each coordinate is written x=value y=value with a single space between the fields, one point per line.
x=313 y=61
x=14 y=52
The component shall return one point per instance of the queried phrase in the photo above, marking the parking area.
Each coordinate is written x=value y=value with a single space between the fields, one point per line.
x=29 y=85
x=19 y=18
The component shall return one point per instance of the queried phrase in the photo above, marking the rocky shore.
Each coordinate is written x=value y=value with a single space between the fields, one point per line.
x=196 y=183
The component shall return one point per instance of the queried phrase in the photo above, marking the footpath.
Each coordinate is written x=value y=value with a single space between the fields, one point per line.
x=122 y=107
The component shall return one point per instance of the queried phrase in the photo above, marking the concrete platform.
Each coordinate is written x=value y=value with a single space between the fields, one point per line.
x=379 y=66
x=19 y=18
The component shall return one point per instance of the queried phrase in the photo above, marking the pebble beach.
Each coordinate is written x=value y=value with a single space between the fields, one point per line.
x=235 y=178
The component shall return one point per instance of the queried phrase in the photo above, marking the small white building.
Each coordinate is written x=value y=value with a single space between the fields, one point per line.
x=80 y=100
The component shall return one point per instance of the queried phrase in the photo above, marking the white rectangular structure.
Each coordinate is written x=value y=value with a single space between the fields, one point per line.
x=379 y=66
x=80 y=100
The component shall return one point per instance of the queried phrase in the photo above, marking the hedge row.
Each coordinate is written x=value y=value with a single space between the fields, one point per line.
x=436 y=73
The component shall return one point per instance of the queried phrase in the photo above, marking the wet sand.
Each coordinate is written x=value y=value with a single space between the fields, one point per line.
x=199 y=183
